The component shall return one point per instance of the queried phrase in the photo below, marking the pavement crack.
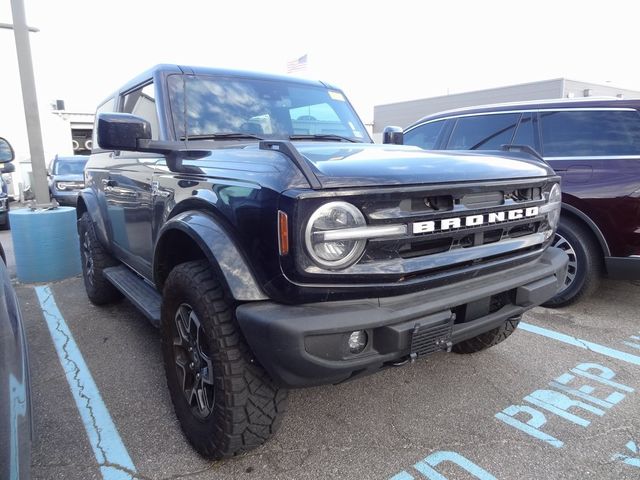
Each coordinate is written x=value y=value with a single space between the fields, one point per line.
x=103 y=462
x=210 y=467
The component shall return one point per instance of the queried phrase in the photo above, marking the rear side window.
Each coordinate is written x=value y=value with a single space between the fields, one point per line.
x=425 y=136
x=590 y=133
x=142 y=103
x=483 y=132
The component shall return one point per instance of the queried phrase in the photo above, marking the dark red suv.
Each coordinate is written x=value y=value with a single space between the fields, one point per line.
x=594 y=144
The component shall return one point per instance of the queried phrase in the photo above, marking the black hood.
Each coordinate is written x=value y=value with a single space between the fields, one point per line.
x=358 y=165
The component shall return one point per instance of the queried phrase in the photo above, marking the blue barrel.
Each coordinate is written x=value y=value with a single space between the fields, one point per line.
x=45 y=244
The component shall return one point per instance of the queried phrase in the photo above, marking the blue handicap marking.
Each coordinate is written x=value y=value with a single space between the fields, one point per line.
x=558 y=403
x=634 y=460
x=589 y=387
x=531 y=426
x=635 y=343
x=585 y=391
x=427 y=467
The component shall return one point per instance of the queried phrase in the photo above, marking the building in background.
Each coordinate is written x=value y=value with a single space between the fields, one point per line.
x=404 y=113
x=64 y=133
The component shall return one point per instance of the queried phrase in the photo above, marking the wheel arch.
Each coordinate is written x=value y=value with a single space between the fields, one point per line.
x=193 y=235
x=87 y=202
x=580 y=216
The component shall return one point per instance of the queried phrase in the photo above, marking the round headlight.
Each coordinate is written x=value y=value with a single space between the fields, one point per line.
x=324 y=224
x=554 y=201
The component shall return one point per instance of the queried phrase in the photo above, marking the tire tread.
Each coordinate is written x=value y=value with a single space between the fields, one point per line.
x=101 y=292
x=253 y=406
x=488 y=339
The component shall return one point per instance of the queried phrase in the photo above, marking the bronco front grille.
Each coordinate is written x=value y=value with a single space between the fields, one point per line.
x=463 y=239
x=431 y=245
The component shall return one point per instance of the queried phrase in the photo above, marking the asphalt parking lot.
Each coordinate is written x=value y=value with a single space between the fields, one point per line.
x=559 y=399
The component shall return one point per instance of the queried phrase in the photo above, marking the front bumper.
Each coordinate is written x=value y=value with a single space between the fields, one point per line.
x=623 y=268
x=69 y=198
x=306 y=345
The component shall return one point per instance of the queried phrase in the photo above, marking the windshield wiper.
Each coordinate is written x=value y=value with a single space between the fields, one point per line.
x=222 y=136
x=323 y=136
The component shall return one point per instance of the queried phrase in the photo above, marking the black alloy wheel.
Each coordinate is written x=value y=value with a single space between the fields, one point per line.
x=87 y=259
x=193 y=361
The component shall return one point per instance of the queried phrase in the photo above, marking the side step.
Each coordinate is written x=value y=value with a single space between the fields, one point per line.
x=140 y=293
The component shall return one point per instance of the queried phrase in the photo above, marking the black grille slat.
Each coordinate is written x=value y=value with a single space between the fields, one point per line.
x=431 y=243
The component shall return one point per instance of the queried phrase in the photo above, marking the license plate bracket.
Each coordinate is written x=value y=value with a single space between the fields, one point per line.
x=431 y=338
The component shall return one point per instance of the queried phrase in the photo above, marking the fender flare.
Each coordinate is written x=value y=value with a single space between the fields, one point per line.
x=90 y=201
x=219 y=248
x=592 y=226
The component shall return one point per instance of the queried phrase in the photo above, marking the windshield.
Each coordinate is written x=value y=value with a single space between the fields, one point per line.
x=68 y=166
x=263 y=108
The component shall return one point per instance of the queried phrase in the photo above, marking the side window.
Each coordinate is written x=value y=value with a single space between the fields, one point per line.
x=108 y=106
x=590 y=133
x=142 y=103
x=425 y=136
x=524 y=135
x=483 y=132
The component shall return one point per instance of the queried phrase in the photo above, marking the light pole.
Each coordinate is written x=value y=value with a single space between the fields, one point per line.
x=30 y=101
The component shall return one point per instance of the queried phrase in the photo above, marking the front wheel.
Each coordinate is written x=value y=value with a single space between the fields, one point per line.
x=226 y=403
x=488 y=339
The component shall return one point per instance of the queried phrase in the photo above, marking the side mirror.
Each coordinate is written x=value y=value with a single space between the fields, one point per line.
x=8 y=168
x=393 y=135
x=121 y=131
x=6 y=151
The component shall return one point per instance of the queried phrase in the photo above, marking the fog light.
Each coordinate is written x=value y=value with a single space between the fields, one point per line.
x=357 y=341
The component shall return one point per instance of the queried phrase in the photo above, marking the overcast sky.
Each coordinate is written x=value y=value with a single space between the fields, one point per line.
x=378 y=52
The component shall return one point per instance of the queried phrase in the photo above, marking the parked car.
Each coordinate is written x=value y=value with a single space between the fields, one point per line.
x=277 y=252
x=15 y=396
x=6 y=169
x=66 y=178
x=594 y=145
x=4 y=204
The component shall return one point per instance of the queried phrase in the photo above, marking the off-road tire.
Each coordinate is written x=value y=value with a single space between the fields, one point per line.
x=587 y=261
x=488 y=339
x=99 y=290
x=247 y=406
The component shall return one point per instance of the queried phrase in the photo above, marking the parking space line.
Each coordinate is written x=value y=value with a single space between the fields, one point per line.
x=111 y=454
x=576 y=342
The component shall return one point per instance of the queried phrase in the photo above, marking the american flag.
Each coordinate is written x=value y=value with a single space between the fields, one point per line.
x=297 y=65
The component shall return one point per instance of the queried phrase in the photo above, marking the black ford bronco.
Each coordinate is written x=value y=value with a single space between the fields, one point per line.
x=253 y=221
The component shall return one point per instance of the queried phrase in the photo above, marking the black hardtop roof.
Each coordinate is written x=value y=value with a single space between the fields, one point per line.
x=161 y=70
x=550 y=104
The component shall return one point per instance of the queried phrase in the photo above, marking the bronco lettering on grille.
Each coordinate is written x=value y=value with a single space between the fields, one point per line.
x=454 y=223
